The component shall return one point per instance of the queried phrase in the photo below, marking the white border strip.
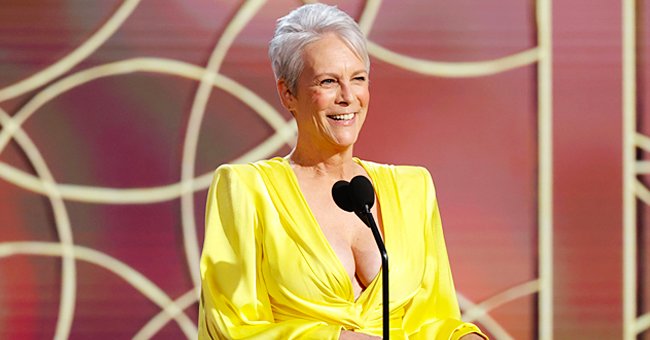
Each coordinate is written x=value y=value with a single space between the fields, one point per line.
x=629 y=148
x=545 y=194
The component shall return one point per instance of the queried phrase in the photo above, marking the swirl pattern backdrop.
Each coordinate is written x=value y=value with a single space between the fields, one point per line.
x=114 y=114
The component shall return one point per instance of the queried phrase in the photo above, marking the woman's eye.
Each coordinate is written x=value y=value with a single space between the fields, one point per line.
x=327 y=81
x=360 y=78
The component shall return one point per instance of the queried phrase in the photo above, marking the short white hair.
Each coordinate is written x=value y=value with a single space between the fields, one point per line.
x=305 y=25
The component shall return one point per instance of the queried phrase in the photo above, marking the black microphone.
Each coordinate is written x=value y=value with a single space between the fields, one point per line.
x=342 y=196
x=358 y=196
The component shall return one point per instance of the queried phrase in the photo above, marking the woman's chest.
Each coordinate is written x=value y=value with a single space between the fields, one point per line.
x=322 y=254
x=353 y=244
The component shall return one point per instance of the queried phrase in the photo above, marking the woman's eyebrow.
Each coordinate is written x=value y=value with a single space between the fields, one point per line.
x=336 y=75
x=329 y=74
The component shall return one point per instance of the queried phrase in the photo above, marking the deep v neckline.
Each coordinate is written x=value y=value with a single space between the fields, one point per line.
x=323 y=239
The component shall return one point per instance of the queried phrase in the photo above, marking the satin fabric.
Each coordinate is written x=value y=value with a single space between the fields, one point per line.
x=268 y=272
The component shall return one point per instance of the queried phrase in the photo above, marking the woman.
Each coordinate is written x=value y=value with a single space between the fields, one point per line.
x=280 y=259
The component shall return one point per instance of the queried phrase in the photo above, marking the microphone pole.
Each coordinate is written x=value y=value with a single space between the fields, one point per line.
x=358 y=196
x=384 y=267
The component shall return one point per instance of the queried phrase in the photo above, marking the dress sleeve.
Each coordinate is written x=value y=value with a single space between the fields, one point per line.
x=234 y=301
x=434 y=313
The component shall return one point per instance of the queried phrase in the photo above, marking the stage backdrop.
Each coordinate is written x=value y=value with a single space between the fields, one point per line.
x=114 y=114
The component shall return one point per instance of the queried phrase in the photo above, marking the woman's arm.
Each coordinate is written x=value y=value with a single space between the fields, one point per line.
x=234 y=300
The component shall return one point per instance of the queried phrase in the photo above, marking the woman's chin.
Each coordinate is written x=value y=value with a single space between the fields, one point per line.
x=345 y=141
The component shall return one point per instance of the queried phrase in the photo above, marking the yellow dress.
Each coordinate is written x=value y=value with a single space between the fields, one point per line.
x=268 y=272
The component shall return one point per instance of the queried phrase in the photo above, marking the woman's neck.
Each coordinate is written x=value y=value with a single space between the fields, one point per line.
x=333 y=164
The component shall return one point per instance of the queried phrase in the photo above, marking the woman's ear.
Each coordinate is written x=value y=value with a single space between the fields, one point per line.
x=286 y=97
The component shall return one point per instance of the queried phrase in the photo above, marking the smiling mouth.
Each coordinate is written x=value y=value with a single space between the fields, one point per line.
x=346 y=116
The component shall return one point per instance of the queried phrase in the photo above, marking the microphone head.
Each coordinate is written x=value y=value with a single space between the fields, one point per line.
x=342 y=196
x=362 y=192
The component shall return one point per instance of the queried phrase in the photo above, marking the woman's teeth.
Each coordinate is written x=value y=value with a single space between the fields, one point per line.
x=342 y=117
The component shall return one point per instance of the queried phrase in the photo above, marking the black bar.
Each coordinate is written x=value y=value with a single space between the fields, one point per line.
x=384 y=268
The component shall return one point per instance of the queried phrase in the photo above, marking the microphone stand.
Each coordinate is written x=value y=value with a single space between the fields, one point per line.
x=370 y=221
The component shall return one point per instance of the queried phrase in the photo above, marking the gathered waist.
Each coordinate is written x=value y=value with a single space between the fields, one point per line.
x=352 y=319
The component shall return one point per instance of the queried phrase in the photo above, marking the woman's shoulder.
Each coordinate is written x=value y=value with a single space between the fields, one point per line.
x=234 y=172
x=252 y=175
x=399 y=172
x=251 y=168
x=410 y=179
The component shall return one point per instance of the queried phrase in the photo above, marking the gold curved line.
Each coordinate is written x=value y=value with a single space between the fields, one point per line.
x=284 y=130
x=147 y=195
x=159 y=65
x=122 y=270
x=368 y=16
x=163 y=317
x=277 y=140
x=69 y=61
x=454 y=69
x=642 y=192
x=439 y=68
x=283 y=133
x=63 y=229
x=267 y=112
x=486 y=320
x=190 y=143
x=642 y=167
x=545 y=172
x=642 y=141
x=259 y=105
x=499 y=299
x=642 y=323
x=91 y=194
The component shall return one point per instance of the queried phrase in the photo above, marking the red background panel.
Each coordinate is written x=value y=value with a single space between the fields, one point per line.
x=477 y=135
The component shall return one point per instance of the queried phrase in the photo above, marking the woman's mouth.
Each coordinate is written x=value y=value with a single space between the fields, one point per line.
x=342 y=117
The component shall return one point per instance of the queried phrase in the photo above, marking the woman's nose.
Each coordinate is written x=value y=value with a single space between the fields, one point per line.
x=345 y=96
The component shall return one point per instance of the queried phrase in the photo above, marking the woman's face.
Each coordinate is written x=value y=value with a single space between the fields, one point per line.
x=332 y=96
